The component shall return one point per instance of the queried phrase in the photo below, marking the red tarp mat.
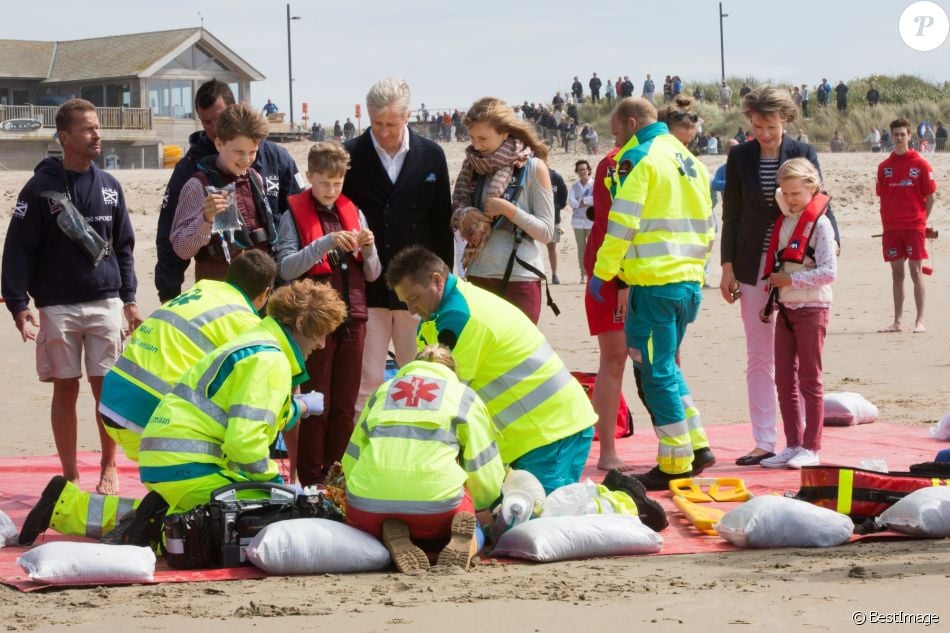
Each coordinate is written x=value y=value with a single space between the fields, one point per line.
x=22 y=479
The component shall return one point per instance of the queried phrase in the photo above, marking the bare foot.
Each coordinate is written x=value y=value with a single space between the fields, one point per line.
x=618 y=464
x=108 y=481
x=919 y=328
x=893 y=327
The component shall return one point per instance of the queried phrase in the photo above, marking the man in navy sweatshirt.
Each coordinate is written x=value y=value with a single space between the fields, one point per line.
x=69 y=247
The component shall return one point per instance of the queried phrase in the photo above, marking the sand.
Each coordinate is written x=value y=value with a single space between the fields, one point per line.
x=904 y=374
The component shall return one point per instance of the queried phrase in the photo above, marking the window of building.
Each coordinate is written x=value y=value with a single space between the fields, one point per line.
x=21 y=97
x=93 y=94
x=159 y=91
x=236 y=89
x=181 y=100
x=118 y=96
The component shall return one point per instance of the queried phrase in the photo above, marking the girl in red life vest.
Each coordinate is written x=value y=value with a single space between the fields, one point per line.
x=801 y=265
x=325 y=237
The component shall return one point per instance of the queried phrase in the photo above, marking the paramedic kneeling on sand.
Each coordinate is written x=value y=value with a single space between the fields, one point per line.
x=421 y=461
x=216 y=425
x=543 y=418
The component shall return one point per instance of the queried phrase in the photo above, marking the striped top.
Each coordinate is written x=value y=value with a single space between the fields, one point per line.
x=768 y=168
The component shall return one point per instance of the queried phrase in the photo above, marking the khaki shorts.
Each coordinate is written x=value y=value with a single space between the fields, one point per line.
x=66 y=330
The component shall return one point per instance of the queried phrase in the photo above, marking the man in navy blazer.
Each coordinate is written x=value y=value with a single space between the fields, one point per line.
x=401 y=183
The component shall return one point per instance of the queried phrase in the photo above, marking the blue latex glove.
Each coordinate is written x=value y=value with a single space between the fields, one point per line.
x=593 y=288
x=312 y=401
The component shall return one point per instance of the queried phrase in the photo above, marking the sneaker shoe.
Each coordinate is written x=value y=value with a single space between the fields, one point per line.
x=651 y=512
x=406 y=555
x=38 y=519
x=804 y=457
x=703 y=458
x=781 y=460
x=656 y=479
x=461 y=547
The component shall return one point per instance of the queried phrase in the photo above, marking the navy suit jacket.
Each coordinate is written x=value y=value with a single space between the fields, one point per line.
x=416 y=209
x=746 y=215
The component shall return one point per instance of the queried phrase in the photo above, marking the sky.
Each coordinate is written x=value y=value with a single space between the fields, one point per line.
x=453 y=52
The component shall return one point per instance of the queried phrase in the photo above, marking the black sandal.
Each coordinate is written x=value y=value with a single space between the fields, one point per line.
x=753 y=460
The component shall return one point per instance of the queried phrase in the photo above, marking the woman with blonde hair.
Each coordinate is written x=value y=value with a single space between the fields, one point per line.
x=749 y=211
x=680 y=118
x=503 y=205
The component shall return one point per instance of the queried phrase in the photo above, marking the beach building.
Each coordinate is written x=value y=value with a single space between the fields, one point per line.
x=143 y=85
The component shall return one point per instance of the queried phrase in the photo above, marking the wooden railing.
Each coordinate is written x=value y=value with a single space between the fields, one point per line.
x=109 y=118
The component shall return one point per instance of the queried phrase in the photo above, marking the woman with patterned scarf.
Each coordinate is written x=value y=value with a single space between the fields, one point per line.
x=503 y=193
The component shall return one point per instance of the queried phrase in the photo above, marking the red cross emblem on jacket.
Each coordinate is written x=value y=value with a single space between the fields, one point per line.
x=414 y=390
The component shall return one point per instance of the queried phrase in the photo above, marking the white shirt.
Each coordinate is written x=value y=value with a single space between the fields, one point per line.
x=392 y=164
x=580 y=198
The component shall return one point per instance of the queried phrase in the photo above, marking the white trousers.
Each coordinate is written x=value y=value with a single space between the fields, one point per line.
x=382 y=326
x=760 y=363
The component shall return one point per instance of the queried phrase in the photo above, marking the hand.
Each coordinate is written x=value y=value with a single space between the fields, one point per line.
x=780 y=280
x=22 y=318
x=593 y=289
x=728 y=286
x=132 y=317
x=474 y=225
x=365 y=238
x=495 y=207
x=215 y=203
x=763 y=317
x=623 y=297
x=344 y=240
x=312 y=402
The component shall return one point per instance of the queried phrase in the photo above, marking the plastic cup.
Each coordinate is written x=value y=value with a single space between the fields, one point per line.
x=927 y=270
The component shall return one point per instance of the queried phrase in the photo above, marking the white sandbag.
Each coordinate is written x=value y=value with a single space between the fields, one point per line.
x=550 y=539
x=8 y=531
x=846 y=408
x=941 y=430
x=67 y=563
x=771 y=521
x=924 y=512
x=315 y=546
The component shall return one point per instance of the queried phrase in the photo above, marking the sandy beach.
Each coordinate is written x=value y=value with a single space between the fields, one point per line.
x=904 y=374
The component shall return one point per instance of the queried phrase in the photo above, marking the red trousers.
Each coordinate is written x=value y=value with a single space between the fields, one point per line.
x=335 y=372
x=525 y=295
x=422 y=527
x=799 y=339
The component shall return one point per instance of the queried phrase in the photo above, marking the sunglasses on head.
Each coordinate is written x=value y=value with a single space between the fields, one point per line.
x=679 y=115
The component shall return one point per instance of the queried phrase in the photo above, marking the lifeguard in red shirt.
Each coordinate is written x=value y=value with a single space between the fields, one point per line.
x=906 y=186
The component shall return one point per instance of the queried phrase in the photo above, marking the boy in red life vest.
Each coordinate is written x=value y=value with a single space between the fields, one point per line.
x=801 y=264
x=240 y=132
x=325 y=237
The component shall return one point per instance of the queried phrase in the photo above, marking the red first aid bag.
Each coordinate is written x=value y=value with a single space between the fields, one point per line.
x=624 y=416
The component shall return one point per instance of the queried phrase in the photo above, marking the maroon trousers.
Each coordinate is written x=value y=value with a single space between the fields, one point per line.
x=525 y=295
x=799 y=339
x=335 y=372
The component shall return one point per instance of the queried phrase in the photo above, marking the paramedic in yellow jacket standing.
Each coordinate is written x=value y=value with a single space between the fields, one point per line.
x=422 y=460
x=216 y=425
x=659 y=233
x=543 y=418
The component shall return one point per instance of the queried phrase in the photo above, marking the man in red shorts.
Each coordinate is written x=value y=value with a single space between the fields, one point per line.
x=906 y=186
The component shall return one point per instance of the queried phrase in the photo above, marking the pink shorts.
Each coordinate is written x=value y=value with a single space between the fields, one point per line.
x=66 y=331
x=904 y=244
x=603 y=317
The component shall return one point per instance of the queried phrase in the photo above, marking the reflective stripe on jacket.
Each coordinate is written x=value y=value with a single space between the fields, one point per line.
x=168 y=343
x=530 y=394
x=422 y=437
x=660 y=228
x=226 y=411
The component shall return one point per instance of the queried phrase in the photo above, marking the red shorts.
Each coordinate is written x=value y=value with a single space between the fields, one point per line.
x=603 y=317
x=904 y=244
x=525 y=295
x=424 y=527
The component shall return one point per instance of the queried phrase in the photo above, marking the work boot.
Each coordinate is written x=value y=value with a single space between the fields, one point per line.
x=656 y=479
x=461 y=548
x=405 y=554
x=142 y=526
x=651 y=512
x=38 y=519
x=703 y=458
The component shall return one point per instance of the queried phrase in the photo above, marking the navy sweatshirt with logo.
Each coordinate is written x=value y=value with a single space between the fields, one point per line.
x=41 y=262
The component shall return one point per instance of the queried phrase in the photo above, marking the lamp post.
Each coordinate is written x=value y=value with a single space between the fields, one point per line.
x=722 y=48
x=290 y=67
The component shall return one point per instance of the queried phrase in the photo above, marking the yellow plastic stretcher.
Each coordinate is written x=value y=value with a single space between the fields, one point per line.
x=688 y=492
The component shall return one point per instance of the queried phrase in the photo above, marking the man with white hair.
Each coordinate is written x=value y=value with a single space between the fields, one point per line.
x=401 y=183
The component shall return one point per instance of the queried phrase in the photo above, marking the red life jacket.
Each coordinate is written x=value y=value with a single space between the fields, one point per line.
x=303 y=208
x=347 y=277
x=797 y=245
